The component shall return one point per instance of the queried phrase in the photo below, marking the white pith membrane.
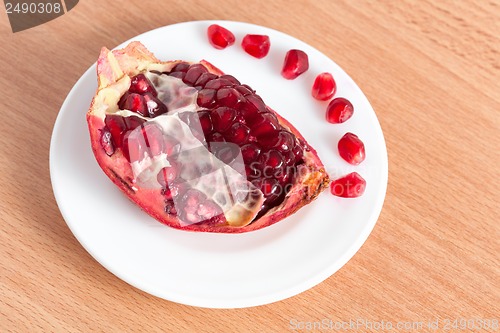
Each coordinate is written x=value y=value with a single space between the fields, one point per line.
x=226 y=185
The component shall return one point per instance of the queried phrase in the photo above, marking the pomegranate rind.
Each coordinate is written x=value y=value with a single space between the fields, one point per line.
x=114 y=70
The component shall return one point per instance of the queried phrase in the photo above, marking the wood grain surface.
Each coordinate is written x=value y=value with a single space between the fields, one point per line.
x=431 y=70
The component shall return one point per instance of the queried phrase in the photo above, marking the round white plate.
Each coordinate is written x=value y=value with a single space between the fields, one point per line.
x=224 y=270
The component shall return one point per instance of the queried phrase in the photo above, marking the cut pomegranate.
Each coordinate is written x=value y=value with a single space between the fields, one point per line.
x=256 y=45
x=324 y=87
x=296 y=63
x=219 y=37
x=351 y=149
x=339 y=110
x=349 y=186
x=195 y=148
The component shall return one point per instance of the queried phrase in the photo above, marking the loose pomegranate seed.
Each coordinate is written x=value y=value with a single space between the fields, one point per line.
x=219 y=37
x=324 y=87
x=339 y=110
x=351 y=149
x=349 y=186
x=296 y=62
x=193 y=74
x=256 y=45
x=140 y=84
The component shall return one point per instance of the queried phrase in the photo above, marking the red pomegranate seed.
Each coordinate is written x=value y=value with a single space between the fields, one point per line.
x=193 y=74
x=339 y=110
x=204 y=79
x=238 y=133
x=223 y=117
x=349 y=186
x=351 y=149
x=118 y=125
x=256 y=45
x=229 y=97
x=251 y=108
x=219 y=37
x=271 y=189
x=154 y=105
x=250 y=152
x=272 y=163
x=296 y=62
x=180 y=67
x=230 y=78
x=140 y=84
x=218 y=83
x=133 y=102
x=324 y=87
x=266 y=124
x=205 y=121
x=245 y=91
x=206 y=98
x=107 y=142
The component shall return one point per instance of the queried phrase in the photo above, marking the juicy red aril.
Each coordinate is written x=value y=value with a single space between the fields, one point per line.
x=349 y=186
x=218 y=83
x=133 y=146
x=193 y=74
x=133 y=102
x=252 y=107
x=140 y=84
x=351 y=149
x=256 y=45
x=223 y=118
x=271 y=189
x=231 y=79
x=118 y=125
x=206 y=98
x=250 y=152
x=205 y=121
x=204 y=79
x=296 y=62
x=324 y=87
x=339 y=110
x=219 y=37
x=272 y=159
x=229 y=97
x=154 y=105
x=106 y=142
x=180 y=67
x=238 y=133
x=266 y=124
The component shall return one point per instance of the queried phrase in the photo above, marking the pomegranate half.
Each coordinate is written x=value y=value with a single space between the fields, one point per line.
x=196 y=149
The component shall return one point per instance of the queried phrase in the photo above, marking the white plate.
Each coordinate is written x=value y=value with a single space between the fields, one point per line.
x=224 y=270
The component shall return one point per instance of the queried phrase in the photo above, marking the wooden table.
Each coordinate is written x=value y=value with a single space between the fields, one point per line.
x=431 y=71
